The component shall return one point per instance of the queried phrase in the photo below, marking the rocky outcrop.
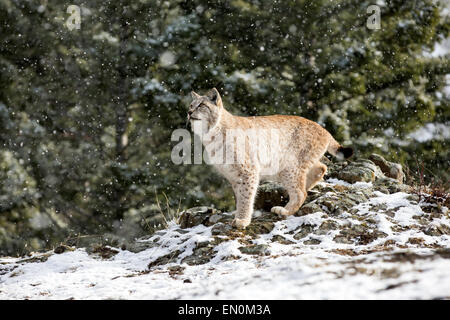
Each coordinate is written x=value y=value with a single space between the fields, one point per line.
x=350 y=208
x=361 y=222
x=390 y=169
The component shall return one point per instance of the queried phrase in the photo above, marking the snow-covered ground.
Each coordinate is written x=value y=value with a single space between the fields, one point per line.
x=390 y=267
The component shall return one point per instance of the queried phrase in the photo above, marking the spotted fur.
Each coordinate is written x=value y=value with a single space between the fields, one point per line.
x=297 y=152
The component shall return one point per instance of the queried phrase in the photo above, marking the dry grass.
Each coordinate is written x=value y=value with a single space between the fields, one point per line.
x=435 y=191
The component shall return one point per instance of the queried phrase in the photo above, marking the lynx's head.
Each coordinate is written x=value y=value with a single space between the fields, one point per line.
x=207 y=108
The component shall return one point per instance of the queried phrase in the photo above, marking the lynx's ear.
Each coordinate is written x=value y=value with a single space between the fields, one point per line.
x=214 y=96
x=194 y=95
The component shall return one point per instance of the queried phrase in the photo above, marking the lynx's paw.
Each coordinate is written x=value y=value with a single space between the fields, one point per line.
x=280 y=210
x=240 y=223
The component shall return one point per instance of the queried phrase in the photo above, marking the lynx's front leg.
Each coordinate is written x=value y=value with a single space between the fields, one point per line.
x=245 y=191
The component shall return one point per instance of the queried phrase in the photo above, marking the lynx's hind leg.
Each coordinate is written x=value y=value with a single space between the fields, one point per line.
x=295 y=184
x=315 y=174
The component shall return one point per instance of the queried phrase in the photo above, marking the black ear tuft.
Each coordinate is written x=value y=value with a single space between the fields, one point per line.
x=214 y=96
x=346 y=151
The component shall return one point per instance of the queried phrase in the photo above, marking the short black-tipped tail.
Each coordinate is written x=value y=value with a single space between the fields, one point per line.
x=346 y=152
x=339 y=151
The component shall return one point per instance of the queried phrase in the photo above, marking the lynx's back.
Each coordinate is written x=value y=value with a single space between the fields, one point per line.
x=299 y=140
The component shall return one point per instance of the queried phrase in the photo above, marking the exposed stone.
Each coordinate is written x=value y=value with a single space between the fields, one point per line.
x=221 y=229
x=259 y=227
x=215 y=218
x=343 y=239
x=182 y=231
x=270 y=194
x=330 y=203
x=329 y=225
x=360 y=170
x=138 y=246
x=390 y=169
x=281 y=239
x=309 y=208
x=358 y=233
x=312 y=241
x=195 y=216
x=201 y=255
x=358 y=196
x=391 y=185
x=258 y=249
x=304 y=231
x=170 y=257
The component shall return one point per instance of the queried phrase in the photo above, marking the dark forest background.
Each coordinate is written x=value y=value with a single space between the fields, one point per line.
x=86 y=115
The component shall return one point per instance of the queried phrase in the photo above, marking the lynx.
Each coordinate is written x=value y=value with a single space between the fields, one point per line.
x=296 y=152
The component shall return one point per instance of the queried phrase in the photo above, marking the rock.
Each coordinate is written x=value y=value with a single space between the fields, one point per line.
x=219 y=217
x=171 y=257
x=215 y=218
x=312 y=241
x=62 y=248
x=201 y=255
x=194 y=216
x=390 y=185
x=281 y=239
x=138 y=246
x=390 y=169
x=221 y=229
x=182 y=231
x=309 y=208
x=358 y=196
x=343 y=239
x=358 y=233
x=258 y=249
x=270 y=194
x=362 y=170
x=262 y=224
x=304 y=231
x=329 y=225
x=260 y=228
